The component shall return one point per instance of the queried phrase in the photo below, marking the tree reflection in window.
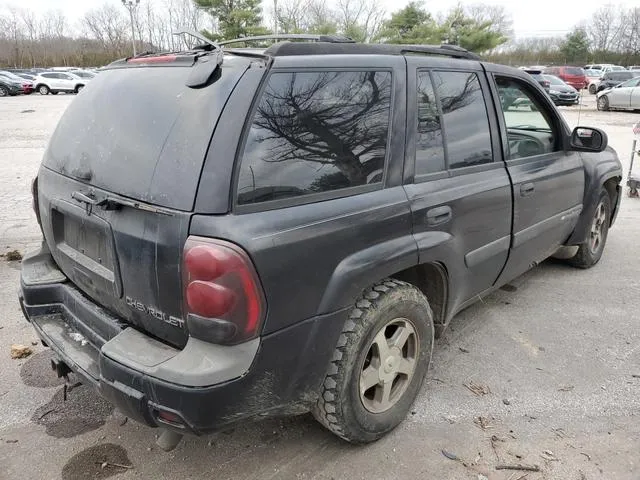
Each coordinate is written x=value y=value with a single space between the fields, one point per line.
x=316 y=132
x=466 y=124
x=429 y=149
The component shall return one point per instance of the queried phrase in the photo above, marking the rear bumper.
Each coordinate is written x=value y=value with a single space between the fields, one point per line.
x=204 y=387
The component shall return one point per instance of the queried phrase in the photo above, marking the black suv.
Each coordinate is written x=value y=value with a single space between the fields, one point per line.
x=231 y=234
x=612 y=79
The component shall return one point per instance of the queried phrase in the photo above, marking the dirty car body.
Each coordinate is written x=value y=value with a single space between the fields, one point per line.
x=193 y=290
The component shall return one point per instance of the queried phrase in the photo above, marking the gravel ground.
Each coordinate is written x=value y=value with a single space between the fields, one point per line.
x=559 y=351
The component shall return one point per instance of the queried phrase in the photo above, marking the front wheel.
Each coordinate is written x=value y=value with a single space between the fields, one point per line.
x=603 y=103
x=592 y=89
x=4 y=92
x=379 y=363
x=43 y=90
x=79 y=88
x=590 y=252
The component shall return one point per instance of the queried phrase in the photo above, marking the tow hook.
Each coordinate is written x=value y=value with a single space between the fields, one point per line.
x=61 y=368
x=168 y=440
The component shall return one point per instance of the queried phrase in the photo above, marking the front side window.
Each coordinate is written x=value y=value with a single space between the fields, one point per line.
x=465 y=119
x=529 y=124
x=316 y=132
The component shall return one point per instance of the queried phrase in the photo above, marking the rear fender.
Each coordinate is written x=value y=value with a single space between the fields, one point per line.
x=364 y=268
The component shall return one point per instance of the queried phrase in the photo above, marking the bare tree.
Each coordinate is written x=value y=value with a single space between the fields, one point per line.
x=108 y=25
x=360 y=19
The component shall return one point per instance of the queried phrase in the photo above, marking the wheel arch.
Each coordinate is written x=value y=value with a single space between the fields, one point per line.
x=397 y=258
x=599 y=173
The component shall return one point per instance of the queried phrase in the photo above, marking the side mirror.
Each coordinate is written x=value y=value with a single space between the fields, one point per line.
x=587 y=139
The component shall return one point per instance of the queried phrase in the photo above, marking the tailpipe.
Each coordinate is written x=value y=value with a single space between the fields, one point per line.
x=168 y=440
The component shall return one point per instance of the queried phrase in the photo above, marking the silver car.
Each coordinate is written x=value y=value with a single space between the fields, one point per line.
x=625 y=96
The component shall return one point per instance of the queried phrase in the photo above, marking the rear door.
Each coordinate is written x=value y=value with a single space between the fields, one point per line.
x=118 y=183
x=66 y=82
x=455 y=178
x=548 y=182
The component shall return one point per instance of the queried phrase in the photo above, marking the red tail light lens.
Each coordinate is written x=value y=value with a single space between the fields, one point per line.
x=223 y=297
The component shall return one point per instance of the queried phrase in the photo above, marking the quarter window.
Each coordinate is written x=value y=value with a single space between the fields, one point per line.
x=465 y=120
x=316 y=132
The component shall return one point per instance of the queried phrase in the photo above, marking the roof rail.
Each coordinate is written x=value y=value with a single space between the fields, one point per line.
x=453 y=51
x=292 y=36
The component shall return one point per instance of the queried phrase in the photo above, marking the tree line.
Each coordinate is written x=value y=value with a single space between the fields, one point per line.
x=102 y=34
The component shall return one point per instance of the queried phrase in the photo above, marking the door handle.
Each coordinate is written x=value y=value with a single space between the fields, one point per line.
x=438 y=216
x=527 y=189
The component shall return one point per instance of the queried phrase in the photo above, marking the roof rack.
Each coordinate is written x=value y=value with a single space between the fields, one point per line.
x=284 y=49
x=292 y=36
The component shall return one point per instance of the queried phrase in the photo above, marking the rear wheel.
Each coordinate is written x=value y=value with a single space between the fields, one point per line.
x=379 y=364
x=603 y=103
x=590 y=252
x=78 y=88
x=4 y=92
x=43 y=90
x=592 y=89
x=54 y=93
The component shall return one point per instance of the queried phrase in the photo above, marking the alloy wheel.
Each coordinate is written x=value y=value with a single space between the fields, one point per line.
x=598 y=233
x=389 y=365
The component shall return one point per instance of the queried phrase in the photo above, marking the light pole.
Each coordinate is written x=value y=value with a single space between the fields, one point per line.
x=131 y=6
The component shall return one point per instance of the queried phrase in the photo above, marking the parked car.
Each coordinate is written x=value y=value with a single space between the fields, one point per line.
x=9 y=87
x=561 y=93
x=593 y=79
x=538 y=77
x=295 y=241
x=573 y=76
x=56 y=82
x=26 y=86
x=611 y=79
x=84 y=74
x=623 y=96
x=613 y=68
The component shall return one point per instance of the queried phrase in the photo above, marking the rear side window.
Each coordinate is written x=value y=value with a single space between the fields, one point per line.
x=316 y=132
x=465 y=120
x=574 y=71
x=429 y=146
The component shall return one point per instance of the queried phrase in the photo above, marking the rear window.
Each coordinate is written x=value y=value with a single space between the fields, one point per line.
x=141 y=133
x=574 y=71
x=316 y=132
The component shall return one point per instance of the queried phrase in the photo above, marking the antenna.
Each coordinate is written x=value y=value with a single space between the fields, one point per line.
x=580 y=106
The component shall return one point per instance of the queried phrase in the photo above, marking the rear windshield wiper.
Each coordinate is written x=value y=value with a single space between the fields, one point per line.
x=111 y=203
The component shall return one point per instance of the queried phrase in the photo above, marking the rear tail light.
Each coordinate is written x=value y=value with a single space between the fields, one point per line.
x=34 y=200
x=222 y=294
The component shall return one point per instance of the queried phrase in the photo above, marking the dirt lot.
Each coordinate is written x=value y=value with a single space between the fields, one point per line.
x=558 y=350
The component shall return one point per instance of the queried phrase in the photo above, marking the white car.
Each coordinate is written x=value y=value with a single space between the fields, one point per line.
x=55 y=82
x=625 y=96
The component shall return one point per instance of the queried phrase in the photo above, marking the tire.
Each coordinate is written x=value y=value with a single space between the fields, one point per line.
x=592 y=89
x=4 y=92
x=54 y=93
x=590 y=252
x=389 y=310
x=78 y=88
x=603 y=103
x=43 y=90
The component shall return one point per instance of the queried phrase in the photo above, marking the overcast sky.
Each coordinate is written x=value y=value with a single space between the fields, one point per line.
x=530 y=17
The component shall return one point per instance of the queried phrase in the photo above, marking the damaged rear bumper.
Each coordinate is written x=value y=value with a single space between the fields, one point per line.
x=198 y=389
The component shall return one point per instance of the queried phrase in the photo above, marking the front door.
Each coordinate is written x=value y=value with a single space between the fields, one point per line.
x=455 y=178
x=548 y=181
